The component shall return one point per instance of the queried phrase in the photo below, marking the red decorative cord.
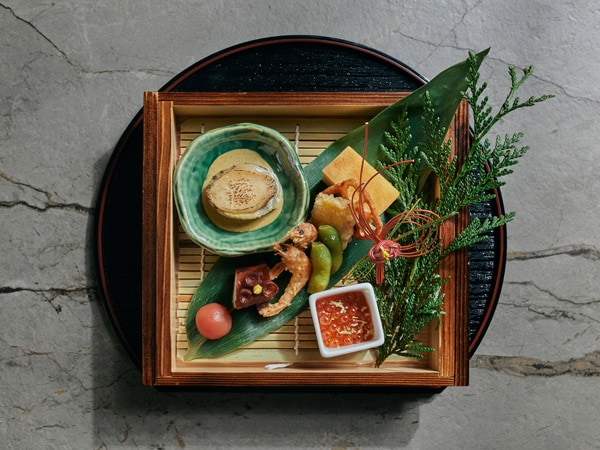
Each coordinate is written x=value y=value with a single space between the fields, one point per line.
x=385 y=249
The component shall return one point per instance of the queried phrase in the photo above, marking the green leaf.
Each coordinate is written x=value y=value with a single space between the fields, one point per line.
x=444 y=92
x=248 y=325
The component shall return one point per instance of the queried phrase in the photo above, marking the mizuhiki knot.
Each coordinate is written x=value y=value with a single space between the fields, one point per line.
x=382 y=252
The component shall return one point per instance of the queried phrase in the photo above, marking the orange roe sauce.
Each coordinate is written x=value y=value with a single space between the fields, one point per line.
x=344 y=319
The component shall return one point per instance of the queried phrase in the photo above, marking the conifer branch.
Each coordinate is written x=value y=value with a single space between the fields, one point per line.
x=410 y=296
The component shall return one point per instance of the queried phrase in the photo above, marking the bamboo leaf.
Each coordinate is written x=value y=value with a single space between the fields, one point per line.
x=445 y=94
x=248 y=325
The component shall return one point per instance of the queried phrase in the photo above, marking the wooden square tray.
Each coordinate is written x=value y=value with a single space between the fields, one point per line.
x=173 y=266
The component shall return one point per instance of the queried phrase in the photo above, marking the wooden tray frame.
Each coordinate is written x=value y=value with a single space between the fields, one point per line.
x=164 y=114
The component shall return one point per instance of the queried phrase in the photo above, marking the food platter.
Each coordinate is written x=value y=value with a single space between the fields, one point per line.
x=171 y=275
x=483 y=284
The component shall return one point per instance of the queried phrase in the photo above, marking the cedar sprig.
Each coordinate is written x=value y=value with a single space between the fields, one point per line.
x=409 y=299
x=405 y=177
x=477 y=231
x=504 y=153
x=410 y=296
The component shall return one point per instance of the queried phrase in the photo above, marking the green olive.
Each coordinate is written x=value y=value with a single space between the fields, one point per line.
x=320 y=257
x=331 y=238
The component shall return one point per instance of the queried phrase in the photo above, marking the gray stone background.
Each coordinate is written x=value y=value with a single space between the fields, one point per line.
x=72 y=74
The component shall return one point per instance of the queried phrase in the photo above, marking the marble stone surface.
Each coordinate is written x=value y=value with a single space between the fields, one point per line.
x=72 y=74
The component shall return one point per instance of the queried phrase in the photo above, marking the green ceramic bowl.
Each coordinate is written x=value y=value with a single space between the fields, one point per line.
x=191 y=172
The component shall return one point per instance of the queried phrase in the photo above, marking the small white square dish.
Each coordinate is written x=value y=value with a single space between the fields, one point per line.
x=346 y=319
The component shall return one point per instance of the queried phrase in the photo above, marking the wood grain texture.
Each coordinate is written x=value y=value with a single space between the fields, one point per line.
x=149 y=232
